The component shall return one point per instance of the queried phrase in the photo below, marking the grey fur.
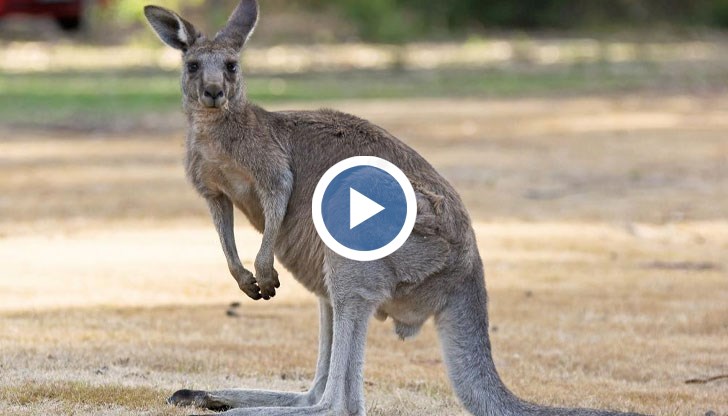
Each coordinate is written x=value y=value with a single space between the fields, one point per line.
x=171 y=28
x=267 y=165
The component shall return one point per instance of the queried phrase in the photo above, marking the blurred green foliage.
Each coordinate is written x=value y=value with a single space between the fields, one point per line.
x=132 y=11
x=395 y=20
x=718 y=13
x=378 y=19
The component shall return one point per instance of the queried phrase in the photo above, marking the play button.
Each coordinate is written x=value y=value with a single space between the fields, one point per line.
x=361 y=208
x=364 y=208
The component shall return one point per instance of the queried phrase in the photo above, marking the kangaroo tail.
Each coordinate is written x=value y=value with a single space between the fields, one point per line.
x=463 y=329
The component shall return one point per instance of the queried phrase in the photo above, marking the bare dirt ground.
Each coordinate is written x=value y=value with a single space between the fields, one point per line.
x=602 y=223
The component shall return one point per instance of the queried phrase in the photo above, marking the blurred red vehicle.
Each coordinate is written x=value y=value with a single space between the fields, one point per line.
x=68 y=13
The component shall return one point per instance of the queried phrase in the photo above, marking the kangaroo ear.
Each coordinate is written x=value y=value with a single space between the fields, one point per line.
x=241 y=23
x=172 y=29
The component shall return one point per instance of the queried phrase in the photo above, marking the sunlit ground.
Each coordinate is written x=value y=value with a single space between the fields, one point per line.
x=601 y=220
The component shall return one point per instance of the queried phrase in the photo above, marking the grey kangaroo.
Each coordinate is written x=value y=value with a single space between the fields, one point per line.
x=267 y=165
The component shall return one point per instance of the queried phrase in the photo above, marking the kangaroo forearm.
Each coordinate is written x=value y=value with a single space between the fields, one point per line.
x=221 y=210
x=273 y=218
x=274 y=201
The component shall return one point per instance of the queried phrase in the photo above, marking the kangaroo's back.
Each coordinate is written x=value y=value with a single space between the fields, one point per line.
x=320 y=139
x=317 y=140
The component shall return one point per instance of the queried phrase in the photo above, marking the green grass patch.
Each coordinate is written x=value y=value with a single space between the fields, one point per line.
x=63 y=97
x=71 y=98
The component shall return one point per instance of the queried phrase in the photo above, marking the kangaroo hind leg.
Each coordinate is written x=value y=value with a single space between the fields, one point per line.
x=237 y=398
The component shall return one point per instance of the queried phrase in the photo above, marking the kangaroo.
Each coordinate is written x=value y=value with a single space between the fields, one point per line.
x=267 y=165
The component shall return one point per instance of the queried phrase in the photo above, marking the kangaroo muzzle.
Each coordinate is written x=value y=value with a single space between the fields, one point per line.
x=213 y=96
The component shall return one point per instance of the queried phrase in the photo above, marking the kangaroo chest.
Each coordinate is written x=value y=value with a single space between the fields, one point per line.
x=240 y=188
x=214 y=171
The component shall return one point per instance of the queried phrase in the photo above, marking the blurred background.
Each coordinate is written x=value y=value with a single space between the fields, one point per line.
x=100 y=60
x=588 y=139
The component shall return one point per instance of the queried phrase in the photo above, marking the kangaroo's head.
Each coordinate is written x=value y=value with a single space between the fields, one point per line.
x=211 y=75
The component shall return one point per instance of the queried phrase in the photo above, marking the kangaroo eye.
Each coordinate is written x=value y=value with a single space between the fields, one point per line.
x=192 y=67
x=232 y=66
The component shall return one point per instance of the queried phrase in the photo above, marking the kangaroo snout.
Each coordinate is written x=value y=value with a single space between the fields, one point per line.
x=213 y=96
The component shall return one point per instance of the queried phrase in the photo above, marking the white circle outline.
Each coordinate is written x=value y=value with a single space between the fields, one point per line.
x=409 y=220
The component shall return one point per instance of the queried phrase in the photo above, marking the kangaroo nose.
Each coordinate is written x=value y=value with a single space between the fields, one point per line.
x=213 y=91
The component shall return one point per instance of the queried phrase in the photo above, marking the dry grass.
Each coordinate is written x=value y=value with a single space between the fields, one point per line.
x=601 y=222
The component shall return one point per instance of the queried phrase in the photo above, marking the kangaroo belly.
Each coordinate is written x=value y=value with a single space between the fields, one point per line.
x=301 y=251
